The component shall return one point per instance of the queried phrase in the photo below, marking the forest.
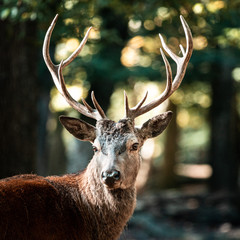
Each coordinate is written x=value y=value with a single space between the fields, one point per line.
x=188 y=185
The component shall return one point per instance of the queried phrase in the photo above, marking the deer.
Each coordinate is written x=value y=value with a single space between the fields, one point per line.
x=95 y=203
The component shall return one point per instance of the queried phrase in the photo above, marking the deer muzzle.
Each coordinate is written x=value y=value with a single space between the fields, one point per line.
x=111 y=177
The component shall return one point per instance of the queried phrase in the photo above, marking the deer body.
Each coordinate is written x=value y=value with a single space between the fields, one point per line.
x=55 y=208
x=94 y=204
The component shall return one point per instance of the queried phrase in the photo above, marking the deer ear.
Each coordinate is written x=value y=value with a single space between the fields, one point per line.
x=78 y=128
x=156 y=125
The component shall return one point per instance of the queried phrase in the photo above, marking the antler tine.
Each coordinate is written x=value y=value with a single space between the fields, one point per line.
x=85 y=110
x=138 y=110
x=131 y=112
x=46 y=56
x=56 y=72
x=78 y=50
x=181 y=68
x=97 y=106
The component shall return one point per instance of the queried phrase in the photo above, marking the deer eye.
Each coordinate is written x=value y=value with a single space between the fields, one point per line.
x=135 y=147
x=95 y=149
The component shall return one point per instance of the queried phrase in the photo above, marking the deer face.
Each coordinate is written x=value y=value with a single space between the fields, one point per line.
x=117 y=145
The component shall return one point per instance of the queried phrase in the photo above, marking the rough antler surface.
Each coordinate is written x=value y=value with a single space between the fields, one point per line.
x=56 y=72
x=171 y=86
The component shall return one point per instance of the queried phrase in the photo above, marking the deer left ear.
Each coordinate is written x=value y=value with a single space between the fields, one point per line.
x=78 y=128
x=156 y=125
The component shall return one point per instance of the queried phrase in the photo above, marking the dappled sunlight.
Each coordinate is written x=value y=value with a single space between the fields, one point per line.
x=68 y=21
x=61 y=51
x=136 y=52
x=236 y=74
x=147 y=153
x=149 y=25
x=196 y=94
x=200 y=171
x=232 y=36
x=69 y=4
x=134 y=25
x=148 y=149
x=200 y=42
x=136 y=42
x=58 y=103
x=198 y=8
x=130 y=56
x=214 y=6
x=72 y=44
x=94 y=34
x=67 y=46
x=163 y=13
x=139 y=88
x=152 y=45
x=96 y=21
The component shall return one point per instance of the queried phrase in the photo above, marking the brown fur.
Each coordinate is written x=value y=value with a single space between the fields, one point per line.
x=80 y=206
x=67 y=207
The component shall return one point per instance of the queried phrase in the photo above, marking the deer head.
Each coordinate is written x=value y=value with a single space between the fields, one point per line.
x=117 y=145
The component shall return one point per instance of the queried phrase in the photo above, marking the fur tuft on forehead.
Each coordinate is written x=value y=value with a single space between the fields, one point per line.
x=116 y=135
x=123 y=126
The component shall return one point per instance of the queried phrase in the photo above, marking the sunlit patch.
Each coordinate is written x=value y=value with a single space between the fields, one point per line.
x=183 y=118
x=58 y=103
x=72 y=44
x=94 y=34
x=61 y=51
x=148 y=149
x=200 y=42
x=136 y=42
x=198 y=8
x=130 y=56
x=96 y=22
x=151 y=45
x=145 y=61
x=215 y=6
x=68 y=21
x=134 y=25
x=116 y=110
x=147 y=153
x=236 y=74
x=200 y=171
x=149 y=25
x=69 y=4
x=163 y=13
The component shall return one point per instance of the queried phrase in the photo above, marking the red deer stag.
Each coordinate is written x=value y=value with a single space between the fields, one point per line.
x=97 y=202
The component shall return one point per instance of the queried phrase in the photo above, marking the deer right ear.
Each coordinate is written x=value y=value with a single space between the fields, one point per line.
x=156 y=125
x=78 y=128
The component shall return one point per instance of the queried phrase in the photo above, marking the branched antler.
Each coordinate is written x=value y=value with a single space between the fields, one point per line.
x=171 y=86
x=56 y=72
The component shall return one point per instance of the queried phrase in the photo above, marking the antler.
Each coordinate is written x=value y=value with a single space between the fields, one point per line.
x=56 y=72
x=181 y=62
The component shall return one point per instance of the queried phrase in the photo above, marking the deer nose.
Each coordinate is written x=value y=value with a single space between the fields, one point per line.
x=110 y=177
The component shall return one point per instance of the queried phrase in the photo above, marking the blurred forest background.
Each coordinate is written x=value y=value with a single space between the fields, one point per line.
x=197 y=157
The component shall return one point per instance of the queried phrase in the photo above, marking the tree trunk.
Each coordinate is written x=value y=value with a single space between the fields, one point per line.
x=223 y=149
x=18 y=101
x=168 y=177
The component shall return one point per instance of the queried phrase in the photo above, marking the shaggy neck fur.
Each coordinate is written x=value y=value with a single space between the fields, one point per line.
x=110 y=209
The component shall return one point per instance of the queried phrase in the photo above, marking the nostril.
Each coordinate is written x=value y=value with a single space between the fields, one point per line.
x=113 y=174
x=116 y=175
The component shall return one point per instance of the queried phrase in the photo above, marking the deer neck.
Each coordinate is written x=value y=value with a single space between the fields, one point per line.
x=110 y=208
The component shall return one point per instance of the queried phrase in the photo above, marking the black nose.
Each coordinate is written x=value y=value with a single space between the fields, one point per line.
x=110 y=177
x=111 y=174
